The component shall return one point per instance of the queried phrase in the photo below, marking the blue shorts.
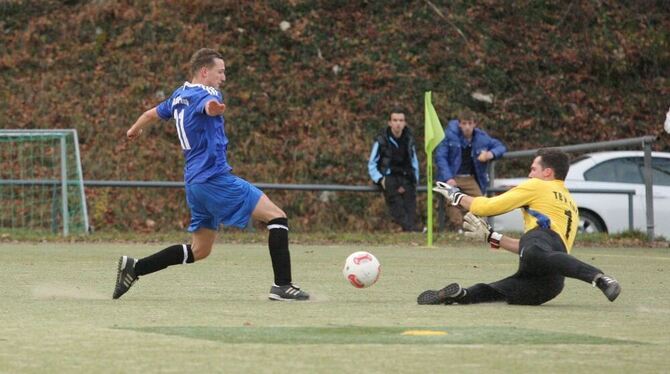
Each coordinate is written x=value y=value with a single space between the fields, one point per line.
x=224 y=199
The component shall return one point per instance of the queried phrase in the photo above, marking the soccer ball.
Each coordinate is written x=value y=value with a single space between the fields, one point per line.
x=361 y=269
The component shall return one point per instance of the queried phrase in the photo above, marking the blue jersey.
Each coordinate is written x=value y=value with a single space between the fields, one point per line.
x=202 y=137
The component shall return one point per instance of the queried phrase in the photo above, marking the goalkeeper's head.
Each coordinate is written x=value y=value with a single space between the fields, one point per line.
x=550 y=163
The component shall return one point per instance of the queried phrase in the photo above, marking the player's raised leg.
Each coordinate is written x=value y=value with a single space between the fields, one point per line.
x=131 y=269
x=277 y=223
x=203 y=242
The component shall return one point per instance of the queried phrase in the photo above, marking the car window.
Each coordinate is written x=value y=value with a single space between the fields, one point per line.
x=619 y=170
x=661 y=171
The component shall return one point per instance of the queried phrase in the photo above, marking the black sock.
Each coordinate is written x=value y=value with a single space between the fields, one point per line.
x=173 y=255
x=278 y=243
x=480 y=293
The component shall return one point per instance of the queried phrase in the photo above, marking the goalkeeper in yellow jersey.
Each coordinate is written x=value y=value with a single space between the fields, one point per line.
x=550 y=219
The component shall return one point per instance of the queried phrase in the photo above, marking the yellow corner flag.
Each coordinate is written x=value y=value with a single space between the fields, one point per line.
x=434 y=133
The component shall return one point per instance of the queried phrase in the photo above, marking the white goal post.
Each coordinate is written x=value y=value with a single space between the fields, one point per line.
x=41 y=182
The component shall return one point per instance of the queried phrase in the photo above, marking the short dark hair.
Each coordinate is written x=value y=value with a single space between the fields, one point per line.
x=203 y=57
x=556 y=159
x=467 y=114
x=397 y=110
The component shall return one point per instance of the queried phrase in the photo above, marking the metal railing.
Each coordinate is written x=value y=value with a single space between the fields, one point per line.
x=299 y=187
x=262 y=186
x=171 y=184
x=645 y=141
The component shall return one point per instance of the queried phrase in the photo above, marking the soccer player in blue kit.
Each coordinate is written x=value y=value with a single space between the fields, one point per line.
x=214 y=195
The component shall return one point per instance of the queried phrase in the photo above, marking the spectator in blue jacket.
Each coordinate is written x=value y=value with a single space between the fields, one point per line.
x=462 y=158
x=394 y=167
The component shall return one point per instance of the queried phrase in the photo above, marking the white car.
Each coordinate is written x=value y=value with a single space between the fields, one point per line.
x=608 y=212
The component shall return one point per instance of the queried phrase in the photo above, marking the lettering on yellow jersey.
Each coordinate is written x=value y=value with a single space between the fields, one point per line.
x=560 y=197
x=568 y=212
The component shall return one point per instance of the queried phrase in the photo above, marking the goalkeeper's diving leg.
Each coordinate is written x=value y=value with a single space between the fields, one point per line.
x=455 y=294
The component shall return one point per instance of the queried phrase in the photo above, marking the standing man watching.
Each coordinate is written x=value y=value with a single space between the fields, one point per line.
x=551 y=219
x=393 y=166
x=214 y=195
x=462 y=159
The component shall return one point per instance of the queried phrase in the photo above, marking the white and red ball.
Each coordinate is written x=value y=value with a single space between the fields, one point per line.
x=361 y=269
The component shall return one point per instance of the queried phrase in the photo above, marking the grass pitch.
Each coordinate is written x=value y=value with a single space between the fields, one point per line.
x=57 y=314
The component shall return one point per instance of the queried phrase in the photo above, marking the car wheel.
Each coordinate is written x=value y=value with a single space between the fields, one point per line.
x=589 y=222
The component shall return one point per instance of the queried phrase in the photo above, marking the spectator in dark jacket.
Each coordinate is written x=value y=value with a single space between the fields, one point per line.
x=393 y=166
x=462 y=158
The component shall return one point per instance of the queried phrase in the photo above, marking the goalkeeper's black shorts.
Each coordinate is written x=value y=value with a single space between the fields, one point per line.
x=534 y=283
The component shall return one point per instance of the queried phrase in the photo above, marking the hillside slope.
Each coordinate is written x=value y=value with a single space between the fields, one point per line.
x=304 y=103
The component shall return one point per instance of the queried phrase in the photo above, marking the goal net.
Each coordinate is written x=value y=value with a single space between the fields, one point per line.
x=41 y=182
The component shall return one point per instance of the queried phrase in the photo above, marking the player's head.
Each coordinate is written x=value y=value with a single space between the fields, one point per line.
x=397 y=121
x=467 y=121
x=550 y=163
x=207 y=67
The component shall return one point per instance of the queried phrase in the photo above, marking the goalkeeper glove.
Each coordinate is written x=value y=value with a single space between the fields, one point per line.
x=451 y=193
x=478 y=228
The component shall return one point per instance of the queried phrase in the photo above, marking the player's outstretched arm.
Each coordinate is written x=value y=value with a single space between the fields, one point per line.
x=147 y=118
x=478 y=228
x=214 y=108
x=453 y=194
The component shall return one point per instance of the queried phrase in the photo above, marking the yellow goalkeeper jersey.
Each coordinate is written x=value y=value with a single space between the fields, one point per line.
x=544 y=203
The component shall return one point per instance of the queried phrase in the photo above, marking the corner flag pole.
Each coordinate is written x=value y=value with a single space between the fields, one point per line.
x=429 y=204
x=434 y=133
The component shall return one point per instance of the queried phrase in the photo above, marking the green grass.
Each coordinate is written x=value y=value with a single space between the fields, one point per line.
x=380 y=335
x=57 y=315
